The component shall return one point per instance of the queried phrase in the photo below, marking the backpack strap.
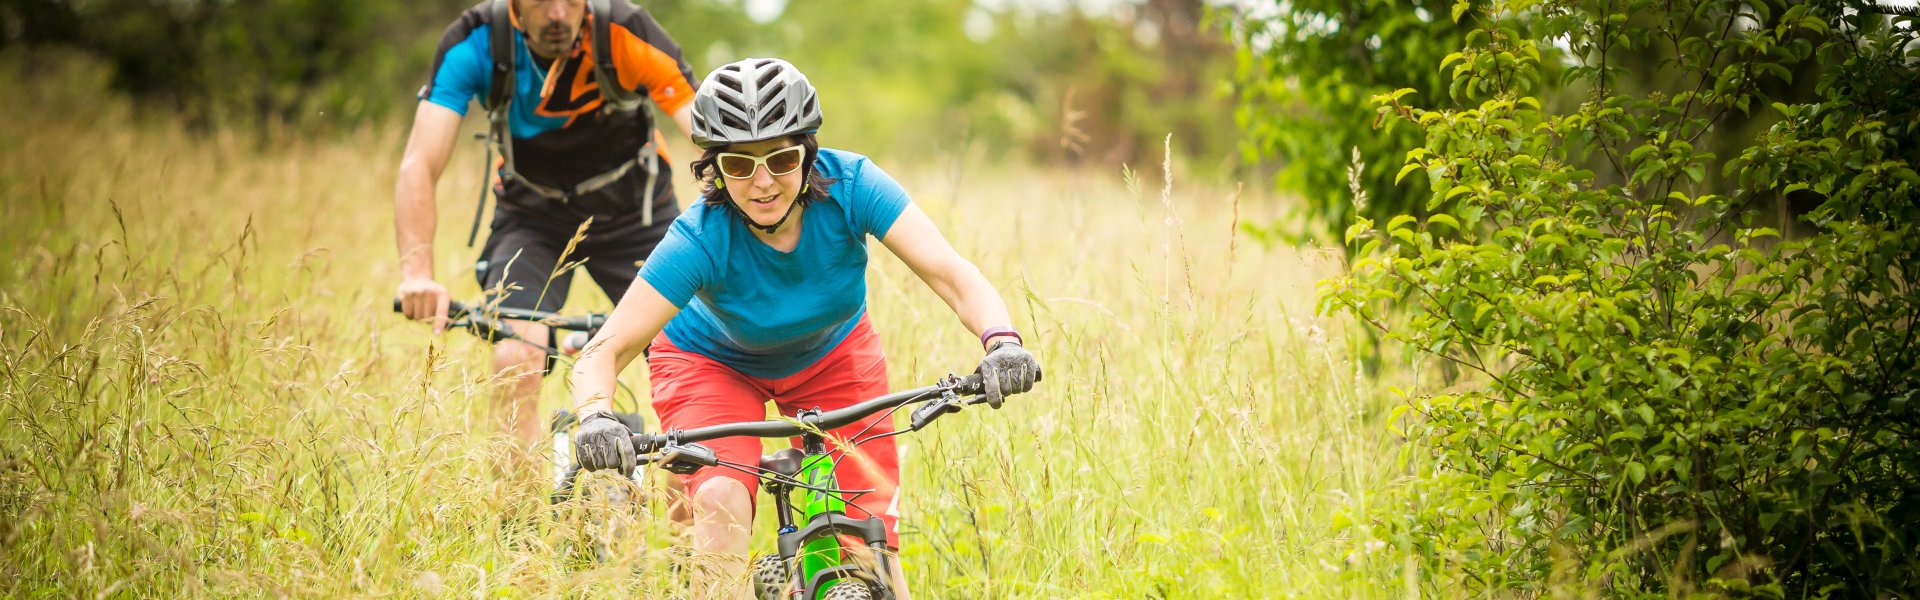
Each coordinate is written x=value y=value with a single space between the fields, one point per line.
x=499 y=95
x=617 y=97
x=620 y=99
x=500 y=91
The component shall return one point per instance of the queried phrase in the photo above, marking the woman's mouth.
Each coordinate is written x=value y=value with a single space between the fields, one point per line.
x=765 y=202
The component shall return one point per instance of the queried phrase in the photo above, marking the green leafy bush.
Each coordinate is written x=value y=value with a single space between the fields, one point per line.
x=1670 y=396
x=1305 y=70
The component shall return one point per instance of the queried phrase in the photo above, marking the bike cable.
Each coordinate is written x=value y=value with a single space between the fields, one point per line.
x=854 y=441
x=788 y=481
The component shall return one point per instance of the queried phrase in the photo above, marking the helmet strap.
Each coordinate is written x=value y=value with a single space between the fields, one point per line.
x=770 y=229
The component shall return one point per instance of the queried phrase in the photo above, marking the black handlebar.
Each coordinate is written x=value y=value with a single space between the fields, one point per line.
x=947 y=393
x=455 y=308
x=812 y=421
x=458 y=310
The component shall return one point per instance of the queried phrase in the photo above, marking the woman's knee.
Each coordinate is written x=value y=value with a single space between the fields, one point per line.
x=723 y=496
x=512 y=354
x=518 y=357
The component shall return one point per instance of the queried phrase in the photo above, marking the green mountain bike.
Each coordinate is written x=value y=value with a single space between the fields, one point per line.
x=809 y=508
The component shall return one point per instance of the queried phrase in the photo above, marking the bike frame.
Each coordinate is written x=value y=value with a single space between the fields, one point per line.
x=810 y=545
x=823 y=553
x=817 y=551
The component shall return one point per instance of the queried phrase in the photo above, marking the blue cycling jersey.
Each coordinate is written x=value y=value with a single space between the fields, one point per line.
x=764 y=312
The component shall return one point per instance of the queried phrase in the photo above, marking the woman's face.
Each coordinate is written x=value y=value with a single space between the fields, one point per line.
x=763 y=196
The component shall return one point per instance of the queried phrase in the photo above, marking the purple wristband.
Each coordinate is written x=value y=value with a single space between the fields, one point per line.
x=994 y=331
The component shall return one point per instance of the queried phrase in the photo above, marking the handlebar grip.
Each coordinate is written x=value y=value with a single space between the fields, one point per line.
x=454 y=307
x=971 y=385
x=647 y=442
x=574 y=343
x=975 y=385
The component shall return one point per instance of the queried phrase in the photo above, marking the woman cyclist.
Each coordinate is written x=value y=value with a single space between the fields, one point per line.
x=759 y=292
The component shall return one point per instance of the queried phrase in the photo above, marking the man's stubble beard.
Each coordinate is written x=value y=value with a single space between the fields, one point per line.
x=554 y=49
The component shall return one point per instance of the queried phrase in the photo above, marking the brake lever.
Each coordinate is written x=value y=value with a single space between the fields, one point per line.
x=947 y=402
x=685 y=459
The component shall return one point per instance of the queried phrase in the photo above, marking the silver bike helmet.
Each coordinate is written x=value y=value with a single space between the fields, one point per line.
x=752 y=100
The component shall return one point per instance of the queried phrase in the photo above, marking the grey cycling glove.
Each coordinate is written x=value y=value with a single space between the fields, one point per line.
x=1007 y=369
x=603 y=442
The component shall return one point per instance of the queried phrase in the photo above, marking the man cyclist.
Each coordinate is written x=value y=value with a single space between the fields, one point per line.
x=574 y=153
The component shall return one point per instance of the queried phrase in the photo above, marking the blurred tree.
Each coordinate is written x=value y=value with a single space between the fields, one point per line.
x=36 y=22
x=1116 y=86
x=912 y=78
x=264 y=60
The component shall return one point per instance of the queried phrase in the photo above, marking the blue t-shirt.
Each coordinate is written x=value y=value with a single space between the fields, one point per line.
x=764 y=312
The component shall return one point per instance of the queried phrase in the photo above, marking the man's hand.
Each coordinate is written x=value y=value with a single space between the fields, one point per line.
x=423 y=299
x=603 y=442
x=1007 y=369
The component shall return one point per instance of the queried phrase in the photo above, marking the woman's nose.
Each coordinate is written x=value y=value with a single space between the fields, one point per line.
x=763 y=176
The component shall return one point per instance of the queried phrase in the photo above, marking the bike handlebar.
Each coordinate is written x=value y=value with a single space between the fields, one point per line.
x=970 y=386
x=458 y=310
x=811 y=421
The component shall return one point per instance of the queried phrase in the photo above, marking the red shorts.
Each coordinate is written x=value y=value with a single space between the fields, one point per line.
x=691 y=390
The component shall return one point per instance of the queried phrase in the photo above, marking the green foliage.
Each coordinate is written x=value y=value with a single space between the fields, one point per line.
x=1305 y=72
x=269 y=61
x=1059 y=84
x=1670 y=396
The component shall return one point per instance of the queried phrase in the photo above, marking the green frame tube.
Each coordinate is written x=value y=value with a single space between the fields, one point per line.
x=823 y=553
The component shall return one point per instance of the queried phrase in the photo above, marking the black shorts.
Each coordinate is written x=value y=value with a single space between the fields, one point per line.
x=525 y=249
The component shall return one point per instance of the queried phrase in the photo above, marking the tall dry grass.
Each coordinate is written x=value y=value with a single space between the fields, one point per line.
x=203 y=392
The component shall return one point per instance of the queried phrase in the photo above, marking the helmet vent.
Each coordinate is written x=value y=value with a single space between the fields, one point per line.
x=732 y=103
x=768 y=76
x=772 y=118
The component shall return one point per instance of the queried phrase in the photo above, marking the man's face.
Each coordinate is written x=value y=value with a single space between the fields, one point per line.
x=551 y=25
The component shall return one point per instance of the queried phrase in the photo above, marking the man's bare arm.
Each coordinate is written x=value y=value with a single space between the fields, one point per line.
x=435 y=129
x=684 y=119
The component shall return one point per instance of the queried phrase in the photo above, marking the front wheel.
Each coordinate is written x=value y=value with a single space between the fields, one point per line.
x=847 y=589
x=770 y=578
